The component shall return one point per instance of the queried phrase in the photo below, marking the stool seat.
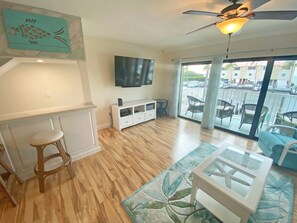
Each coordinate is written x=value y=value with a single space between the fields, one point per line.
x=40 y=141
x=46 y=137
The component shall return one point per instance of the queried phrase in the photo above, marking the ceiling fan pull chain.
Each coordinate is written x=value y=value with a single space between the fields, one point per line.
x=228 y=45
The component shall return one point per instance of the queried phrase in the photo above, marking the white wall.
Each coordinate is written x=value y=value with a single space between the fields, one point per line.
x=100 y=64
x=30 y=86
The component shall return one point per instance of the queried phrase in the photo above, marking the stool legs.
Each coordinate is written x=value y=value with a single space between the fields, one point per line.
x=6 y=186
x=66 y=159
x=40 y=171
x=9 y=170
x=39 y=168
x=3 y=187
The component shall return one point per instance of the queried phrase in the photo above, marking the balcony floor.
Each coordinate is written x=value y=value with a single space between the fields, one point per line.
x=226 y=124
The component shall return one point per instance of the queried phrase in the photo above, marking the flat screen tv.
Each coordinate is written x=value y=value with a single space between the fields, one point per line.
x=133 y=72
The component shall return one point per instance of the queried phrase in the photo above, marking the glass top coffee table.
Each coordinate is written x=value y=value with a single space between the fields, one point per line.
x=230 y=182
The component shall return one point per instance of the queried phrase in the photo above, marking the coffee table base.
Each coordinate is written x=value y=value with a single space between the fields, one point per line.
x=217 y=209
x=213 y=179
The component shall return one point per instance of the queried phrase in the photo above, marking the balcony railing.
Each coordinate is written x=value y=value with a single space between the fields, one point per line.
x=276 y=102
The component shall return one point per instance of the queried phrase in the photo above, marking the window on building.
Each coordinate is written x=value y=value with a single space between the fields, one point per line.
x=251 y=67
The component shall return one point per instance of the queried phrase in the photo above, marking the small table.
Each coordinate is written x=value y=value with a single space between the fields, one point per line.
x=162 y=107
x=230 y=182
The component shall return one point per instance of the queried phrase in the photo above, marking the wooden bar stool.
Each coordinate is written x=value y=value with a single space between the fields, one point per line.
x=40 y=141
x=7 y=179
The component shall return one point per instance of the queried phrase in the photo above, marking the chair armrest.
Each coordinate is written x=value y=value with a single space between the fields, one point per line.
x=280 y=127
x=232 y=107
x=286 y=150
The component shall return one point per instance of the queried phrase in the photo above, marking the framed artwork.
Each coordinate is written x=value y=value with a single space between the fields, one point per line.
x=29 y=31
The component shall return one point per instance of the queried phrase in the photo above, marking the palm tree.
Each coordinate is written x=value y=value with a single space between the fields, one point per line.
x=207 y=68
x=230 y=67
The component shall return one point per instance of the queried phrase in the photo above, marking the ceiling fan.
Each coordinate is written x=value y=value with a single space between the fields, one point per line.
x=236 y=15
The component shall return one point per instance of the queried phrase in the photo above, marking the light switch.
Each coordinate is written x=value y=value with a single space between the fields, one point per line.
x=48 y=94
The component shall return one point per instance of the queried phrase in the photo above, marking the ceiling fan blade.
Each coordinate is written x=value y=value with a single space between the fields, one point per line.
x=277 y=15
x=194 y=12
x=204 y=27
x=253 y=4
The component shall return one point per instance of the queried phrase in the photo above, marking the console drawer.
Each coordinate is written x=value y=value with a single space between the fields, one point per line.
x=126 y=122
x=150 y=115
x=138 y=118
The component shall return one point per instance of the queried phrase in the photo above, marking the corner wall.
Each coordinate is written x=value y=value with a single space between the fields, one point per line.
x=29 y=86
x=100 y=65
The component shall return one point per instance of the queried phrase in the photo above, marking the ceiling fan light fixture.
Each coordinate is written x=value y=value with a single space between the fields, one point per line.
x=230 y=26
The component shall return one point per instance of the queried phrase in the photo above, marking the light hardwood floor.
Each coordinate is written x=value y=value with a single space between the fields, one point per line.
x=128 y=160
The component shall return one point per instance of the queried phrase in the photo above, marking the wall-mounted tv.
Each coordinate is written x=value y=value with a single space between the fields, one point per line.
x=133 y=72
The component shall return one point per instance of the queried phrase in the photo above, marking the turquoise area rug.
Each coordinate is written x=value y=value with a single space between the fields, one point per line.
x=166 y=198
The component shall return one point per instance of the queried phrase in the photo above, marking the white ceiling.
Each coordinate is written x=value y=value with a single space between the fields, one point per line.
x=160 y=23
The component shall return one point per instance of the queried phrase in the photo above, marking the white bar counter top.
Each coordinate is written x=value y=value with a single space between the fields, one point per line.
x=44 y=111
x=78 y=122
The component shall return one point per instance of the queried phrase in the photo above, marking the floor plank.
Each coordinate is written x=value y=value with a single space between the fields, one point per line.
x=128 y=160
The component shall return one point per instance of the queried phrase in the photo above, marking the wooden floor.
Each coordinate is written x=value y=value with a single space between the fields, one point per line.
x=128 y=160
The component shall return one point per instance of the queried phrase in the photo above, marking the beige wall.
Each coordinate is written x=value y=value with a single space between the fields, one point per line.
x=36 y=85
x=100 y=64
x=30 y=86
x=33 y=86
x=277 y=45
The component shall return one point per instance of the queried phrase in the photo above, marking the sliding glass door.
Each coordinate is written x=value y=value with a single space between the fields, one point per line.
x=194 y=84
x=253 y=93
x=239 y=92
x=282 y=93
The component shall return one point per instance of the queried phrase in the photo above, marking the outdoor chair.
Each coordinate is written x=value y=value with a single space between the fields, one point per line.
x=248 y=112
x=195 y=105
x=279 y=142
x=162 y=107
x=287 y=118
x=224 y=110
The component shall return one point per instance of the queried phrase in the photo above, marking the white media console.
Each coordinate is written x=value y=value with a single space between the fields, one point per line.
x=133 y=113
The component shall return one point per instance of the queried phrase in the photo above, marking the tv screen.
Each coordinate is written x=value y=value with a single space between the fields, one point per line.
x=133 y=72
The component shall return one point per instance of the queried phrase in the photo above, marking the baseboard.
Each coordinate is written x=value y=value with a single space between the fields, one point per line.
x=25 y=175
x=86 y=153
x=28 y=173
x=104 y=126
